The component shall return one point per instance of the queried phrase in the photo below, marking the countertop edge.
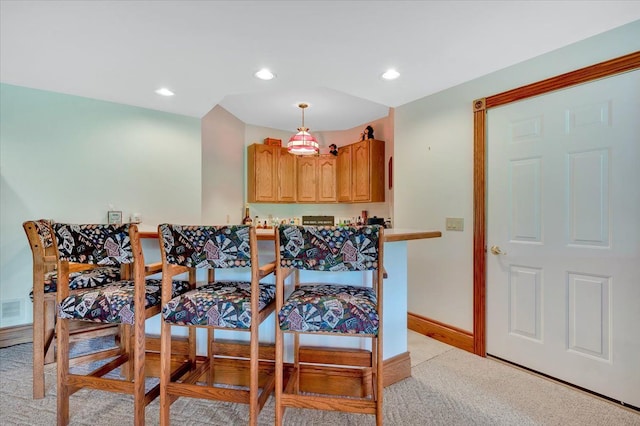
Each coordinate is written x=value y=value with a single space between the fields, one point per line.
x=407 y=235
x=390 y=236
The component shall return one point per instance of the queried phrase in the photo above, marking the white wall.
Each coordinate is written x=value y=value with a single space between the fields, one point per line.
x=434 y=172
x=223 y=175
x=69 y=159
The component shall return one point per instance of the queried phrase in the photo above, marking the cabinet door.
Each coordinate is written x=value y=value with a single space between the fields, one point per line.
x=360 y=171
x=343 y=173
x=377 y=171
x=306 y=185
x=326 y=169
x=262 y=182
x=286 y=176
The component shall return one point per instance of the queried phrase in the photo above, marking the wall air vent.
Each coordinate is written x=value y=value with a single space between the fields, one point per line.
x=11 y=309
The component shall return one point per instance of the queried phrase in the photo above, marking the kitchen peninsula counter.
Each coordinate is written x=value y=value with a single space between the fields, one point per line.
x=395 y=292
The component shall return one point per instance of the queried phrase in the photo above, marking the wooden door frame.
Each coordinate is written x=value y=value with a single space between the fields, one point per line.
x=604 y=69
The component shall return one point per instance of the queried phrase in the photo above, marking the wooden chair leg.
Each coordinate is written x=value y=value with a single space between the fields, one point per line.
x=49 y=331
x=378 y=385
x=254 y=408
x=126 y=345
x=38 y=344
x=279 y=376
x=165 y=372
x=63 y=371
x=211 y=377
x=139 y=404
x=192 y=345
x=296 y=362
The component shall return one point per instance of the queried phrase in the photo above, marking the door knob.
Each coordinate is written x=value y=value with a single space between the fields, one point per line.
x=496 y=250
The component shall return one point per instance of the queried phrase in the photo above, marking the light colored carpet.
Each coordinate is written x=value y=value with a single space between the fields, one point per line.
x=448 y=387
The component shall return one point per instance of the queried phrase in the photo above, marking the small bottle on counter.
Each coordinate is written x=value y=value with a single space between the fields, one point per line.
x=247 y=217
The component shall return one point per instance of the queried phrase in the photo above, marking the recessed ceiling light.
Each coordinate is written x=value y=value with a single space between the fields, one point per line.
x=265 y=74
x=391 y=74
x=164 y=92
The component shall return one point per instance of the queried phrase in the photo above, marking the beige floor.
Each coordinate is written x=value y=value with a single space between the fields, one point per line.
x=423 y=348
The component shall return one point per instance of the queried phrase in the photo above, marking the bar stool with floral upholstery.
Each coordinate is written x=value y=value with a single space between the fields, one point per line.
x=337 y=306
x=128 y=302
x=43 y=295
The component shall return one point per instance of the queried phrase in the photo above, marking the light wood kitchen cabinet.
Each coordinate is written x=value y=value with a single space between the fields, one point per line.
x=306 y=171
x=361 y=172
x=326 y=165
x=343 y=173
x=271 y=174
x=262 y=173
x=355 y=175
x=286 y=176
x=316 y=179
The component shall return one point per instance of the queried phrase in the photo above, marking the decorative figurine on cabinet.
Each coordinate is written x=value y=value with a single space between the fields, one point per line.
x=333 y=149
x=368 y=133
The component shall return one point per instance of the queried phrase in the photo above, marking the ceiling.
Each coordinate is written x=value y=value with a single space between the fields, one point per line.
x=330 y=54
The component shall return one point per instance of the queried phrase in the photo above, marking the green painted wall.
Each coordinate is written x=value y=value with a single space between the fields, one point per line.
x=72 y=159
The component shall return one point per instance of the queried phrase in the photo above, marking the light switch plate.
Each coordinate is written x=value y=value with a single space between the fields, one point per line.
x=455 y=224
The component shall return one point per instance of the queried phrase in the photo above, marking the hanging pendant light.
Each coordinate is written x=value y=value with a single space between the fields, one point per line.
x=302 y=143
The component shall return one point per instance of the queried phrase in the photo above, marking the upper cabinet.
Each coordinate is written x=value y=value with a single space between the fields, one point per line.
x=307 y=179
x=326 y=165
x=316 y=179
x=286 y=176
x=271 y=174
x=343 y=173
x=361 y=172
x=355 y=175
x=262 y=173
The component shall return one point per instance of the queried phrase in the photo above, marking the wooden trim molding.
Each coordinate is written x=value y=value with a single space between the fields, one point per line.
x=480 y=107
x=16 y=335
x=583 y=75
x=479 y=223
x=397 y=368
x=444 y=333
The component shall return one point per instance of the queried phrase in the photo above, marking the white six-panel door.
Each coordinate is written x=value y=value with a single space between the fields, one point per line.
x=563 y=235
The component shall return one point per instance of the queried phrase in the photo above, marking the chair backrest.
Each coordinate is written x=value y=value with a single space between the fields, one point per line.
x=39 y=236
x=209 y=247
x=330 y=248
x=43 y=226
x=97 y=244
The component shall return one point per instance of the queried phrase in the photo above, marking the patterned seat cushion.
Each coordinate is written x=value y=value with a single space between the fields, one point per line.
x=221 y=304
x=330 y=308
x=91 y=278
x=113 y=303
